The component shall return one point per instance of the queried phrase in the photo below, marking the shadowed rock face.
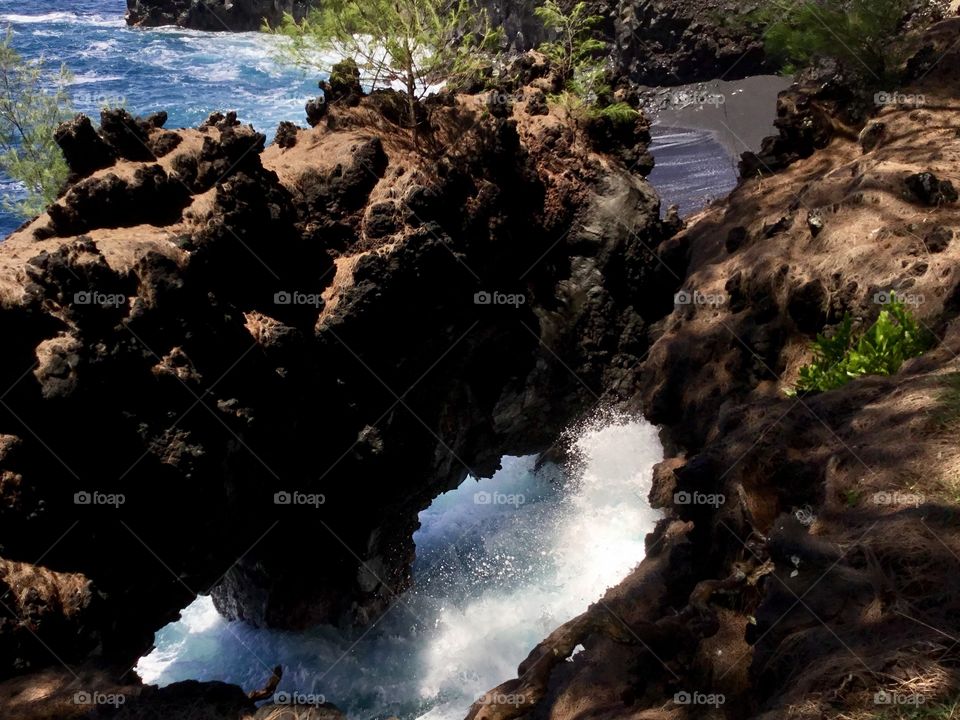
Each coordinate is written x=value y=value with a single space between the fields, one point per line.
x=245 y=371
x=821 y=517
x=673 y=42
x=213 y=15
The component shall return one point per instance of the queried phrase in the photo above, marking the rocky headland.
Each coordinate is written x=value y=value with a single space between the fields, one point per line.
x=308 y=318
x=655 y=42
x=300 y=321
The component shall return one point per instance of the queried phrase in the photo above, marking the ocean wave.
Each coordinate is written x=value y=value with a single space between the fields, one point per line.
x=62 y=17
x=90 y=78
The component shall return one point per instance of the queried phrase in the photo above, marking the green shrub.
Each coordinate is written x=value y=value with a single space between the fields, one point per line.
x=867 y=36
x=578 y=56
x=30 y=111
x=881 y=350
x=620 y=113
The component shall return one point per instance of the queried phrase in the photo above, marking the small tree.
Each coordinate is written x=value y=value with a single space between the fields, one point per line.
x=417 y=42
x=32 y=105
x=575 y=50
x=867 y=36
x=578 y=56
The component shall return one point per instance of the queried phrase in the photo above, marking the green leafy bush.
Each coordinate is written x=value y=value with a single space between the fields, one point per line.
x=32 y=105
x=881 y=350
x=579 y=58
x=866 y=36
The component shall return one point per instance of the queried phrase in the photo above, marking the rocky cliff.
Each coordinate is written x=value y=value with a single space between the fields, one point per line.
x=807 y=563
x=225 y=359
x=212 y=15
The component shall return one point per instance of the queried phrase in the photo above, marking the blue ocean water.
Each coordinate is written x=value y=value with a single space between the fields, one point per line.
x=187 y=73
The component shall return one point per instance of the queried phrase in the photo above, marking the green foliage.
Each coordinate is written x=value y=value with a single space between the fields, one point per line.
x=575 y=50
x=30 y=112
x=418 y=42
x=620 y=113
x=577 y=54
x=866 y=36
x=881 y=350
x=929 y=710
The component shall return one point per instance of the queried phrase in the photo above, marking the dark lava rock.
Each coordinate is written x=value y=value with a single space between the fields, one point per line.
x=286 y=134
x=872 y=135
x=736 y=238
x=537 y=105
x=84 y=150
x=938 y=239
x=381 y=220
x=807 y=117
x=775 y=228
x=815 y=222
x=672 y=42
x=343 y=85
x=316 y=109
x=807 y=306
x=164 y=143
x=672 y=222
x=930 y=190
x=213 y=15
x=109 y=201
x=128 y=135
